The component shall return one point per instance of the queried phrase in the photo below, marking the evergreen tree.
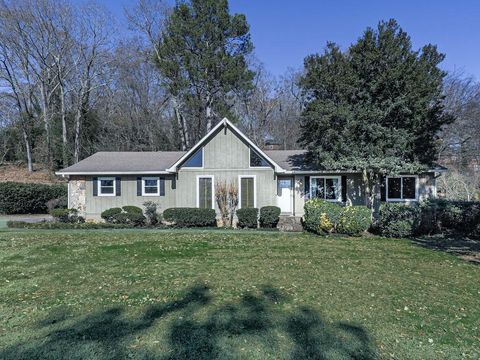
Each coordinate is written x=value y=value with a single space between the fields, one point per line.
x=202 y=55
x=375 y=108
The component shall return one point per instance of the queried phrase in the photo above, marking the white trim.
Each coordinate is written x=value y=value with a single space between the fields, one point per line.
x=250 y=157
x=401 y=199
x=240 y=177
x=150 y=178
x=99 y=186
x=325 y=177
x=224 y=122
x=197 y=198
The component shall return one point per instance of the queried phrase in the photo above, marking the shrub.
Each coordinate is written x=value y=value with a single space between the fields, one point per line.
x=109 y=214
x=61 y=225
x=130 y=209
x=190 y=217
x=151 y=212
x=18 y=198
x=398 y=220
x=451 y=217
x=321 y=216
x=58 y=203
x=247 y=218
x=354 y=220
x=67 y=216
x=269 y=216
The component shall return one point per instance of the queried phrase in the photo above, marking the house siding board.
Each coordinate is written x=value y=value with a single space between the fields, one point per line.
x=96 y=204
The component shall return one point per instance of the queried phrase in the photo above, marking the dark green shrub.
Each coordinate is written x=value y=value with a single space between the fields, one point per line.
x=130 y=209
x=109 y=214
x=247 y=218
x=60 y=225
x=398 y=220
x=354 y=220
x=269 y=216
x=450 y=217
x=19 y=198
x=190 y=217
x=67 y=216
x=321 y=216
x=58 y=203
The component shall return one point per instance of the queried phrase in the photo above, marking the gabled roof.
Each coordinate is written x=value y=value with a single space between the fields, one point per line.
x=225 y=123
x=121 y=162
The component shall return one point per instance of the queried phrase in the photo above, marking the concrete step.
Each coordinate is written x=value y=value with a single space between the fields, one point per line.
x=290 y=223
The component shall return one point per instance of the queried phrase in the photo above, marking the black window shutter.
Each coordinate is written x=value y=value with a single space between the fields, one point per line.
x=118 y=187
x=344 y=188
x=95 y=186
x=383 y=189
x=162 y=186
x=139 y=186
x=307 y=187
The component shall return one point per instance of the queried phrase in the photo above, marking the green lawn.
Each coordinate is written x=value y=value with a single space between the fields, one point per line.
x=227 y=295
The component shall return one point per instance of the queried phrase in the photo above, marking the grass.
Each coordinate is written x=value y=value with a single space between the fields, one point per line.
x=114 y=294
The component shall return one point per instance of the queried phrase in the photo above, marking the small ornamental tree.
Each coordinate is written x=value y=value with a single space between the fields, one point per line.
x=227 y=201
x=376 y=107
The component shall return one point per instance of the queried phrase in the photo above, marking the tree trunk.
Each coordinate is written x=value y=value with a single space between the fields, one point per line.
x=181 y=125
x=46 y=124
x=208 y=112
x=64 y=128
x=28 y=148
x=78 y=120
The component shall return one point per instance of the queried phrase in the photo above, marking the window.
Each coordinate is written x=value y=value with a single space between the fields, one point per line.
x=326 y=188
x=151 y=186
x=401 y=188
x=106 y=186
x=247 y=192
x=256 y=160
x=196 y=160
x=205 y=192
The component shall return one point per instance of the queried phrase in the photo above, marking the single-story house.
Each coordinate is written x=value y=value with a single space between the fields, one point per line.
x=187 y=178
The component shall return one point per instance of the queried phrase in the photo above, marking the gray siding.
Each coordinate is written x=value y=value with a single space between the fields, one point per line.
x=96 y=204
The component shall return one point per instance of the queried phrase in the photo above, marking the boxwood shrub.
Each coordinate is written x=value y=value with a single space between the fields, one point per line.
x=67 y=216
x=398 y=220
x=108 y=215
x=19 y=198
x=321 y=216
x=354 y=220
x=132 y=215
x=269 y=216
x=247 y=218
x=190 y=217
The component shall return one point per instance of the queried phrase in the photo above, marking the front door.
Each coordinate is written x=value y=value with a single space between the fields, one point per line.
x=284 y=194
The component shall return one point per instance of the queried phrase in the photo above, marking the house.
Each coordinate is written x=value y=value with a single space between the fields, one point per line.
x=187 y=179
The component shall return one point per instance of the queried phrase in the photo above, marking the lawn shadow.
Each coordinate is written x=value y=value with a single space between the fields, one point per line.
x=109 y=334
x=460 y=246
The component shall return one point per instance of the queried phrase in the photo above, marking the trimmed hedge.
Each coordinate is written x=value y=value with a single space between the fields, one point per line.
x=130 y=209
x=60 y=225
x=322 y=216
x=67 y=216
x=398 y=220
x=190 y=217
x=269 y=216
x=354 y=220
x=132 y=215
x=19 y=198
x=109 y=214
x=247 y=218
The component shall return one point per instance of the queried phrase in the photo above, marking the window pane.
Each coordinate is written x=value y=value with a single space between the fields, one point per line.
x=151 y=190
x=151 y=182
x=394 y=188
x=331 y=189
x=247 y=193
x=409 y=184
x=256 y=160
x=107 y=182
x=205 y=193
x=196 y=160
x=318 y=188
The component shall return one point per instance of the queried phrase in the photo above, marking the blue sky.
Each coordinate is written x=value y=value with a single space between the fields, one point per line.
x=285 y=31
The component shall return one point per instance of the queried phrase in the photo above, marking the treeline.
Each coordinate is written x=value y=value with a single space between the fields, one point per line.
x=69 y=87
x=73 y=83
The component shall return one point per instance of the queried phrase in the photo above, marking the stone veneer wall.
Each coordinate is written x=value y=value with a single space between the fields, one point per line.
x=77 y=193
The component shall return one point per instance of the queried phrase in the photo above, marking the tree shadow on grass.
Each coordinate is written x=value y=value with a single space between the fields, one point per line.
x=461 y=246
x=260 y=318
